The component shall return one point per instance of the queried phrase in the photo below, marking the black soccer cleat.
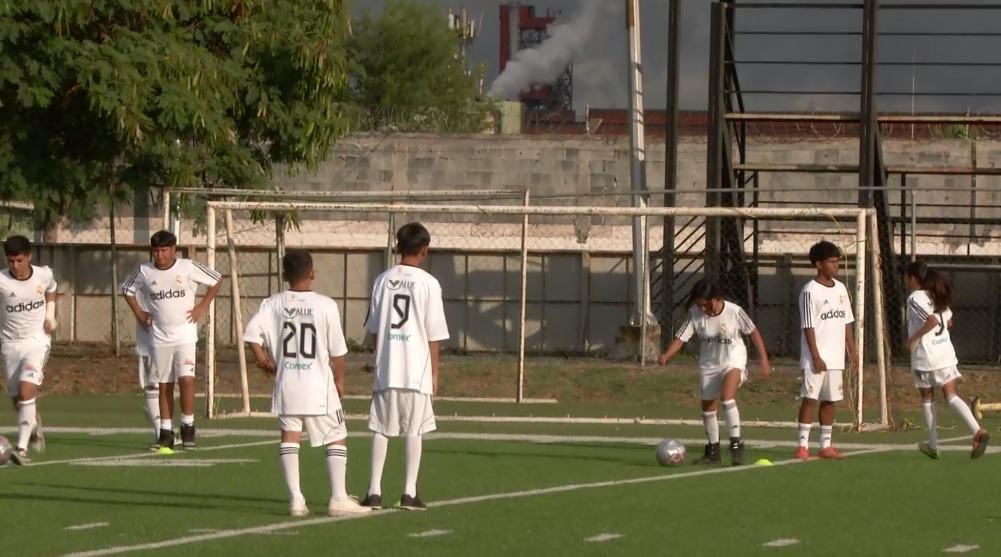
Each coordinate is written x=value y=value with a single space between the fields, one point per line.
x=413 y=503
x=166 y=439
x=736 y=451
x=710 y=456
x=372 y=501
x=188 y=437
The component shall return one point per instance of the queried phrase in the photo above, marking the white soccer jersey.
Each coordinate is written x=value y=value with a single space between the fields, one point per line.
x=170 y=294
x=935 y=349
x=302 y=332
x=406 y=313
x=722 y=336
x=825 y=309
x=23 y=303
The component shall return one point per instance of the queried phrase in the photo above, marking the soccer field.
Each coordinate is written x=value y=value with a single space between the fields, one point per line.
x=494 y=489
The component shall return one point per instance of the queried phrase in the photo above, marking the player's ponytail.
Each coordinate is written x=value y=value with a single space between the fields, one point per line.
x=932 y=282
x=938 y=289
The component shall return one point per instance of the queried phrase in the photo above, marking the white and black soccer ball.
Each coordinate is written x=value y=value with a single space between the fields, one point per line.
x=5 y=449
x=670 y=453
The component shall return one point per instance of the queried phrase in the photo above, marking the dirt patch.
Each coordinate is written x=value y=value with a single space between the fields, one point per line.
x=93 y=368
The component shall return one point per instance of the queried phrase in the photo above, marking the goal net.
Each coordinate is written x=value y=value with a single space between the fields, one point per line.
x=527 y=281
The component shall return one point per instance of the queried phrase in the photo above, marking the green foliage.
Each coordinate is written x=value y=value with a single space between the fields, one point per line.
x=101 y=98
x=407 y=75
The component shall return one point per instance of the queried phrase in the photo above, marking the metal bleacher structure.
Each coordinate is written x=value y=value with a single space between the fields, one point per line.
x=733 y=171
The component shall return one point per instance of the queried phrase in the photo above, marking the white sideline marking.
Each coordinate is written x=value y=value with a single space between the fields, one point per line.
x=137 y=455
x=287 y=525
x=430 y=533
x=494 y=400
x=784 y=542
x=608 y=536
x=168 y=462
x=961 y=549
x=87 y=526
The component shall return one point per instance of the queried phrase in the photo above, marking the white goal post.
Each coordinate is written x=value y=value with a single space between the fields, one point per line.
x=512 y=230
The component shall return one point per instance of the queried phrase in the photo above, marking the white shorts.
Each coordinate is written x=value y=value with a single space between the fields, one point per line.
x=401 y=413
x=711 y=382
x=826 y=386
x=931 y=378
x=147 y=373
x=322 y=430
x=173 y=362
x=23 y=362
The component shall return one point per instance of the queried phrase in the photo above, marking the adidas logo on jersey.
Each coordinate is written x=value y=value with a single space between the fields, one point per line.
x=25 y=306
x=167 y=294
x=833 y=314
x=718 y=340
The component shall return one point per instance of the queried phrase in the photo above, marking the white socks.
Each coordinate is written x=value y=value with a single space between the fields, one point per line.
x=337 y=467
x=26 y=422
x=826 y=431
x=380 y=445
x=732 y=418
x=288 y=453
x=414 y=449
x=928 y=407
x=153 y=409
x=187 y=420
x=804 y=434
x=711 y=424
x=959 y=406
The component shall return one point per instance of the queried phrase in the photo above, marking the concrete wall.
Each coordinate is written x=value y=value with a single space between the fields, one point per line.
x=578 y=289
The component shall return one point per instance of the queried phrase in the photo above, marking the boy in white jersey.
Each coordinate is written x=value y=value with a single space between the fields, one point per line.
x=825 y=311
x=28 y=301
x=406 y=324
x=169 y=285
x=933 y=356
x=721 y=326
x=306 y=348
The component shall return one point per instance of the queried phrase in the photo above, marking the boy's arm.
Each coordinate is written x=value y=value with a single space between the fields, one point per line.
x=433 y=348
x=811 y=341
x=807 y=317
x=763 y=363
x=264 y=361
x=931 y=323
x=850 y=346
x=201 y=307
x=672 y=350
x=337 y=364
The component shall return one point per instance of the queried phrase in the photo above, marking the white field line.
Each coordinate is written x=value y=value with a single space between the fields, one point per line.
x=133 y=456
x=515 y=437
x=294 y=524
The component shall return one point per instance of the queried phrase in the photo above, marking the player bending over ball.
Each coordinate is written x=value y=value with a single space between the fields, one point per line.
x=406 y=324
x=933 y=357
x=169 y=285
x=305 y=351
x=28 y=301
x=825 y=312
x=721 y=326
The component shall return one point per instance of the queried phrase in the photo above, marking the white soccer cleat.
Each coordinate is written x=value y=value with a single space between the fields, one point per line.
x=298 y=508
x=350 y=505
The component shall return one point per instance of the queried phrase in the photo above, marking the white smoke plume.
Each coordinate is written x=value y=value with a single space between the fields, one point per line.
x=544 y=62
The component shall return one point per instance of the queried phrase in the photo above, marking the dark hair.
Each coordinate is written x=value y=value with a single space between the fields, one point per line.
x=297 y=264
x=823 y=250
x=17 y=245
x=935 y=284
x=411 y=238
x=704 y=289
x=162 y=239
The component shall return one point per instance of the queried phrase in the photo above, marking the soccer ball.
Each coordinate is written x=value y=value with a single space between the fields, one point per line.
x=670 y=453
x=5 y=449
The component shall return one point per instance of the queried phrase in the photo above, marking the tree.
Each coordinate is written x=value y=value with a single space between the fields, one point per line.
x=101 y=98
x=407 y=75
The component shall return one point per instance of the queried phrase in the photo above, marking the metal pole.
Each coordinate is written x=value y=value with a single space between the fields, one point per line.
x=914 y=224
x=210 y=241
x=522 y=305
x=115 y=333
x=237 y=315
x=860 y=278
x=637 y=150
x=877 y=292
x=166 y=210
x=670 y=167
x=279 y=250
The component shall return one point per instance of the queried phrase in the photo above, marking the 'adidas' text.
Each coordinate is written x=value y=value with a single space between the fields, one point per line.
x=25 y=306
x=168 y=294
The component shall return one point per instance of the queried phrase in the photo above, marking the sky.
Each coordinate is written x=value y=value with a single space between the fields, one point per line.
x=595 y=38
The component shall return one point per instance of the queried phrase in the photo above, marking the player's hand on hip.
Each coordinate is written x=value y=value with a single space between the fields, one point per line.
x=196 y=313
x=146 y=318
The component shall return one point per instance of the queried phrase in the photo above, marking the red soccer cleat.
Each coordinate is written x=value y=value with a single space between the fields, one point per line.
x=830 y=453
x=802 y=453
